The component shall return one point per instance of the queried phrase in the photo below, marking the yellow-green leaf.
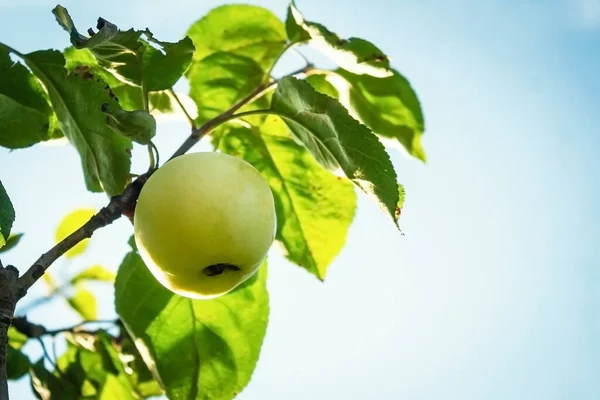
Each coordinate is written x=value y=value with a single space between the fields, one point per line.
x=69 y=224
x=94 y=273
x=84 y=302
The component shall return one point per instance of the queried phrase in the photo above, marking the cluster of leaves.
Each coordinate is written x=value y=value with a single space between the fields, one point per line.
x=315 y=137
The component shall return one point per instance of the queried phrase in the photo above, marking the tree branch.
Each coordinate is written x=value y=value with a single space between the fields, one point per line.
x=9 y=295
x=199 y=133
x=13 y=287
x=118 y=205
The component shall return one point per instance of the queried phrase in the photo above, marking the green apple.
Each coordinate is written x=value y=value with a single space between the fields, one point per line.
x=204 y=222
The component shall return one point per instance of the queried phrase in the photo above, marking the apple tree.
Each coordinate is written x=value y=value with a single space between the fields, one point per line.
x=315 y=135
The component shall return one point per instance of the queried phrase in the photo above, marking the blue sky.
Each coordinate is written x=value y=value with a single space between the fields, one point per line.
x=493 y=292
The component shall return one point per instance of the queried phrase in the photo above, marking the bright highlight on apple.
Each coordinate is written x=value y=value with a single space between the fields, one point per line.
x=204 y=222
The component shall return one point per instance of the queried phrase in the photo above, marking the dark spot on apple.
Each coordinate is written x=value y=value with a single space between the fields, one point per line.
x=218 y=269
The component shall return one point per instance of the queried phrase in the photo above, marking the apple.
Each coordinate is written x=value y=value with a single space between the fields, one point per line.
x=204 y=222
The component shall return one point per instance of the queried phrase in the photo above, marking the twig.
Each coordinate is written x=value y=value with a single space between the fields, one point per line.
x=187 y=115
x=46 y=354
x=108 y=214
x=202 y=131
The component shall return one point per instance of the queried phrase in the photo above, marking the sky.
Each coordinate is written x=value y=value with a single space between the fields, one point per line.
x=493 y=291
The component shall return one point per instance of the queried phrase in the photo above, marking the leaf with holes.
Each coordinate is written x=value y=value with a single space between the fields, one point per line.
x=130 y=57
x=78 y=102
x=246 y=30
x=354 y=54
x=216 y=341
x=314 y=207
x=337 y=140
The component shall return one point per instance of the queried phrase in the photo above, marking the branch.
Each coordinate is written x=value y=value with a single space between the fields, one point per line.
x=35 y=331
x=118 y=205
x=9 y=295
x=199 y=133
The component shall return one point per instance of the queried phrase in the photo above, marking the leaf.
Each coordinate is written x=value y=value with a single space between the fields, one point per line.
x=69 y=224
x=17 y=363
x=161 y=101
x=128 y=96
x=47 y=386
x=106 y=30
x=20 y=126
x=162 y=71
x=11 y=242
x=353 y=54
x=129 y=57
x=140 y=376
x=92 y=365
x=322 y=85
x=390 y=107
x=24 y=110
x=114 y=389
x=137 y=125
x=7 y=215
x=105 y=157
x=220 y=80
x=216 y=342
x=84 y=302
x=94 y=273
x=336 y=139
x=314 y=207
x=246 y=30
x=15 y=338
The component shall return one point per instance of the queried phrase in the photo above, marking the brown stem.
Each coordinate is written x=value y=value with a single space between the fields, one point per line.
x=199 y=133
x=9 y=295
x=117 y=206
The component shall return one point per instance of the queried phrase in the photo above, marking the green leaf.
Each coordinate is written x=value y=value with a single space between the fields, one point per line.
x=17 y=363
x=314 y=207
x=137 y=125
x=220 y=80
x=7 y=215
x=69 y=224
x=114 y=389
x=20 y=126
x=216 y=342
x=161 y=101
x=84 y=302
x=92 y=365
x=242 y=29
x=105 y=157
x=24 y=110
x=15 y=338
x=390 y=107
x=140 y=376
x=47 y=386
x=295 y=32
x=353 y=54
x=322 y=85
x=132 y=59
x=106 y=30
x=11 y=242
x=336 y=139
x=94 y=273
x=128 y=96
x=162 y=70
